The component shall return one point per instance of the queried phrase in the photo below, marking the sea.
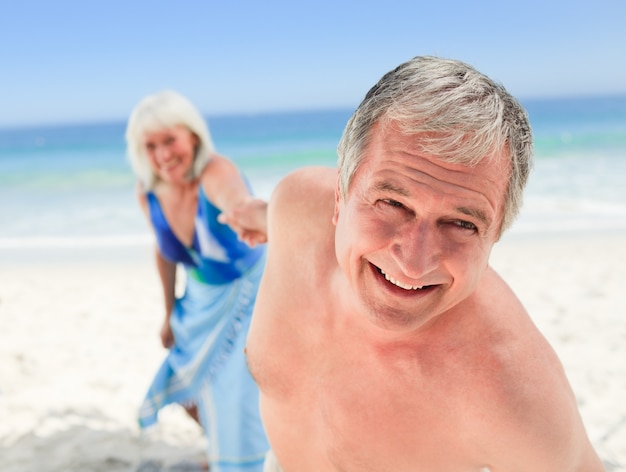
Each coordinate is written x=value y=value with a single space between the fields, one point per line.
x=72 y=186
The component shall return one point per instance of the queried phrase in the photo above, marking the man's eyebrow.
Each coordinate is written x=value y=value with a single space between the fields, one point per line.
x=385 y=186
x=473 y=212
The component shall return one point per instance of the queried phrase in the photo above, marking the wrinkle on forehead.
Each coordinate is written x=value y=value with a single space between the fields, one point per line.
x=450 y=145
x=392 y=157
x=386 y=186
x=494 y=168
x=417 y=144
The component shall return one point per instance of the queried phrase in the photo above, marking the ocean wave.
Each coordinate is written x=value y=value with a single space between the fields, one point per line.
x=64 y=242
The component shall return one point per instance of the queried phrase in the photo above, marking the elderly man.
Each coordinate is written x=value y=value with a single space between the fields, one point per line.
x=382 y=340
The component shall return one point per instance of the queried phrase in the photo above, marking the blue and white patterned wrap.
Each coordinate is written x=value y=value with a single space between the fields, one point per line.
x=207 y=365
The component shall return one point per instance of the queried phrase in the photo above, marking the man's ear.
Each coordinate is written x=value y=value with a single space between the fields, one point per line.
x=337 y=201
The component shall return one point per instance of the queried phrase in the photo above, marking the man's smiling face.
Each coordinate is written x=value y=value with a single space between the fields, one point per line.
x=414 y=233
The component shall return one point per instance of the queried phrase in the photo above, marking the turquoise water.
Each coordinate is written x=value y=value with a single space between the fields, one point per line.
x=72 y=185
x=579 y=179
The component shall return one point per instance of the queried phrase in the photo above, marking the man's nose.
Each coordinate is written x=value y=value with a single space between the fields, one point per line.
x=417 y=249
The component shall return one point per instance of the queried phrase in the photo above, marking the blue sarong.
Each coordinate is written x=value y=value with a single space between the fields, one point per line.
x=207 y=367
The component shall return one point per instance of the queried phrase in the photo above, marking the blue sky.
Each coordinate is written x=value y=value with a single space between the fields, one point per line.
x=70 y=61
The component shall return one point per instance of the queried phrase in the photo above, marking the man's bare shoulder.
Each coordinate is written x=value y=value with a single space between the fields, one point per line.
x=525 y=363
x=303 y=200
x=530 y=395
x=305 y=186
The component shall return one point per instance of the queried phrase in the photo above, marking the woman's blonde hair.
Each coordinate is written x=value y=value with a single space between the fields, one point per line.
x=163 y=110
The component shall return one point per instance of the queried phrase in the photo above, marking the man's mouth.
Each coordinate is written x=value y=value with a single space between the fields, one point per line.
x=398 y=283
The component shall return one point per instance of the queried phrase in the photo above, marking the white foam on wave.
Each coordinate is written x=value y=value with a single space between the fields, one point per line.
x=51 y=242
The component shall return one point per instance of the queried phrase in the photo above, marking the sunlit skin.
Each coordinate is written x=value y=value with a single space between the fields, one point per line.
x=421 y=223
x=171 y=152
x=360 y=370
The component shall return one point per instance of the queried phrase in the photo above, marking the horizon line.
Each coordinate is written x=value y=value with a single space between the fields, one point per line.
x=268 y=112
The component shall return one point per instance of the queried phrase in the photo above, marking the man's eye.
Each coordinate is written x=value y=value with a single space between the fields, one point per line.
x=393 y=203
x=465 y=225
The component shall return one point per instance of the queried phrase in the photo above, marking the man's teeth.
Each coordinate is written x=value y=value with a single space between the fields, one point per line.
x=399 y=284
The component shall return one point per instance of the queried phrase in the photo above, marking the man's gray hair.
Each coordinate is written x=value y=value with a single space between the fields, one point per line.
x=456 y=114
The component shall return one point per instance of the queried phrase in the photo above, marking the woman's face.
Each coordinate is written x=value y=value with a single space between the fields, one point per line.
x=171 y=152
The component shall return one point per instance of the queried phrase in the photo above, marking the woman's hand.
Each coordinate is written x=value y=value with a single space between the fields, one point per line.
x=167 y=337
x=248 y=220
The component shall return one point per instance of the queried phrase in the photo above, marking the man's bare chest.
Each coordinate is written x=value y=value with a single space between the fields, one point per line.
x=397 y=414
x=363 y=413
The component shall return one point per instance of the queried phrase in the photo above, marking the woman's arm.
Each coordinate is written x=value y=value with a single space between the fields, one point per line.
x=167 y=275
x=224 y=186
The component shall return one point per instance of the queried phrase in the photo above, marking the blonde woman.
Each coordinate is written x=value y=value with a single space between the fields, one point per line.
x=183 y=185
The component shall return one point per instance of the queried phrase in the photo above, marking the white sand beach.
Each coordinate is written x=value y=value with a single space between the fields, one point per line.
x=79 y=344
